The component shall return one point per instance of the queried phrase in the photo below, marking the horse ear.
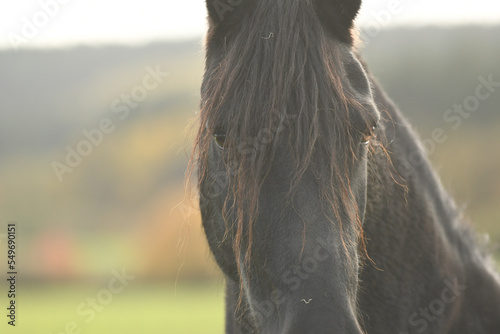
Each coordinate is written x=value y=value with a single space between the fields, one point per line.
x=338 y=16
x=219 y=11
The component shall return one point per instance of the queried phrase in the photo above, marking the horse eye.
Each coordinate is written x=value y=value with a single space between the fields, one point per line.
x=369 y=135
x=220 y=140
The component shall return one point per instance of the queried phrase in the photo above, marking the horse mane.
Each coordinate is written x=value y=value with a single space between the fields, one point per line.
x=277 y=80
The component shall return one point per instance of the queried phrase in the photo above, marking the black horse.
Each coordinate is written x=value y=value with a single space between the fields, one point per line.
x=318 y=203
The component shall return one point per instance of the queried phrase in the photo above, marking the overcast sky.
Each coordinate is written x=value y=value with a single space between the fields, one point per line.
x=25 y=23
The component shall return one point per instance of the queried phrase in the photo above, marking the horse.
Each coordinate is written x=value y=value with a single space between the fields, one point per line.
x=318 y=202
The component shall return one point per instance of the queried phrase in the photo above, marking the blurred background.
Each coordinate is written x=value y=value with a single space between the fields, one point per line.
x=96 y=102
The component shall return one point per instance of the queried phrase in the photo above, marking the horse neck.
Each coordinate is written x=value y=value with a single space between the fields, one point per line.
x=416 y=234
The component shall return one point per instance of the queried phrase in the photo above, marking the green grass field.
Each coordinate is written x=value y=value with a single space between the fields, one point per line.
x=140 y=308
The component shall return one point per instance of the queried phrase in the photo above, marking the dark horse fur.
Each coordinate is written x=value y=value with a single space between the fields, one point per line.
x=318 y=203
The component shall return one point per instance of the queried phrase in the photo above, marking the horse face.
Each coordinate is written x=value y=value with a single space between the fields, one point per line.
x=287 y=119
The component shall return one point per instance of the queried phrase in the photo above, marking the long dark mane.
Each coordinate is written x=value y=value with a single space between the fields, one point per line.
x=279 y=82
